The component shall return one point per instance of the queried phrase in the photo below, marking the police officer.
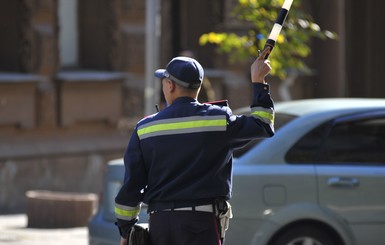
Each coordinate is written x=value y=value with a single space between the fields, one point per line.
x=179 y=161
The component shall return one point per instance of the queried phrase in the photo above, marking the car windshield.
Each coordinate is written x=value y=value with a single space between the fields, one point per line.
x=280 y=120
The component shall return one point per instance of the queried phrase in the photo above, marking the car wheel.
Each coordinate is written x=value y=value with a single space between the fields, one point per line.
x=304 y=235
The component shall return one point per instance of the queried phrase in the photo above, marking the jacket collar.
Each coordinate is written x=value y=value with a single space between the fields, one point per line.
x=183 y=99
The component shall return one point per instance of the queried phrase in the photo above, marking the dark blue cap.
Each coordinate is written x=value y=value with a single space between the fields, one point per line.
x=184 y=71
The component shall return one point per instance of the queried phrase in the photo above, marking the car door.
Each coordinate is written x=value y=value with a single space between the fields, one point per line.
x=351 y=174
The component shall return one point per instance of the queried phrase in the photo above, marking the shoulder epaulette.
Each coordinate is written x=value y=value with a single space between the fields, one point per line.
x=218 y=103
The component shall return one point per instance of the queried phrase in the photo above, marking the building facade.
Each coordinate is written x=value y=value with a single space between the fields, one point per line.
x=72 y=78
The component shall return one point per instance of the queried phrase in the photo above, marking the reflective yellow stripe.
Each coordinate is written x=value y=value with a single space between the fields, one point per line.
x=182 y=125
x=128 y=214
x=263 y=114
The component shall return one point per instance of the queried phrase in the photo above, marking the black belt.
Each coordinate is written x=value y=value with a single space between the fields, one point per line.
x=201 y=208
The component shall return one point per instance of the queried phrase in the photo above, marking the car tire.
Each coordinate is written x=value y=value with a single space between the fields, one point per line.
x=301 y=235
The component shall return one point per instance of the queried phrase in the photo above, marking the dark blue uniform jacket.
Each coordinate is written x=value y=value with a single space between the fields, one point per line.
x=184 y=152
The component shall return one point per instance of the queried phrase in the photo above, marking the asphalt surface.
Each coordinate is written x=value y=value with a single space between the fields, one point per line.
x=14 y=231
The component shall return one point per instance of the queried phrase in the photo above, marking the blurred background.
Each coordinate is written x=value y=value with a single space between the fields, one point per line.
x=76 y=75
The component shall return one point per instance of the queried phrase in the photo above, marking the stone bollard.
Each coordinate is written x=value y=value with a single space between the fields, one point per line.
x=48 y=209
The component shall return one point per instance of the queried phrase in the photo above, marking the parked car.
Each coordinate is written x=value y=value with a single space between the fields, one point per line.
x=319 y=181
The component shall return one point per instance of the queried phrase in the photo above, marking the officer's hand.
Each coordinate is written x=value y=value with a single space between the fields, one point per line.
x=260 y=68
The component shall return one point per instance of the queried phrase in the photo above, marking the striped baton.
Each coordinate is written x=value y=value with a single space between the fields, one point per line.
x=270 y=43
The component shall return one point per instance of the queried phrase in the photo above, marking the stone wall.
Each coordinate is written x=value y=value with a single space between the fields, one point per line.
x=60 y=125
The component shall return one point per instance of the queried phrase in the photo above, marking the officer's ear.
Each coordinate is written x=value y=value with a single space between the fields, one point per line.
x=170 y=85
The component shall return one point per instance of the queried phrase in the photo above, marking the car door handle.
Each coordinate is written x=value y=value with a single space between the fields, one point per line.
x=346 y=182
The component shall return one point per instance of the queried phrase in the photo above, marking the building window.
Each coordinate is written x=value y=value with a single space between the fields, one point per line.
x=10 y=40
x=68 y=34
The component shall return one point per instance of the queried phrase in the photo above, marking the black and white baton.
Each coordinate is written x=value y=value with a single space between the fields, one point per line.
x=270 y=43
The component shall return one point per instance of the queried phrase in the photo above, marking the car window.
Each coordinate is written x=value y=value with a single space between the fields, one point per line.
x=346 y=142
x=279 y=120
x=306 y=150
x=360 y=141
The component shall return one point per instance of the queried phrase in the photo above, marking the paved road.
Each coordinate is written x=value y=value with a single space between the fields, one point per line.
x=13 y=231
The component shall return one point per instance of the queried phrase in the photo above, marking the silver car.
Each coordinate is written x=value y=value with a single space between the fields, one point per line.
x=319 y=181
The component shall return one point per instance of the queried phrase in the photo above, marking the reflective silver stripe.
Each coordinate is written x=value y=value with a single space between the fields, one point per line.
x=126 y=212
x=266 y=115
x=182 y=125
x=185 y=84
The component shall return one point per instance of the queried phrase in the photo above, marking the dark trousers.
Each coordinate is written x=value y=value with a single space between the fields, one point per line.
x=184 y=228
